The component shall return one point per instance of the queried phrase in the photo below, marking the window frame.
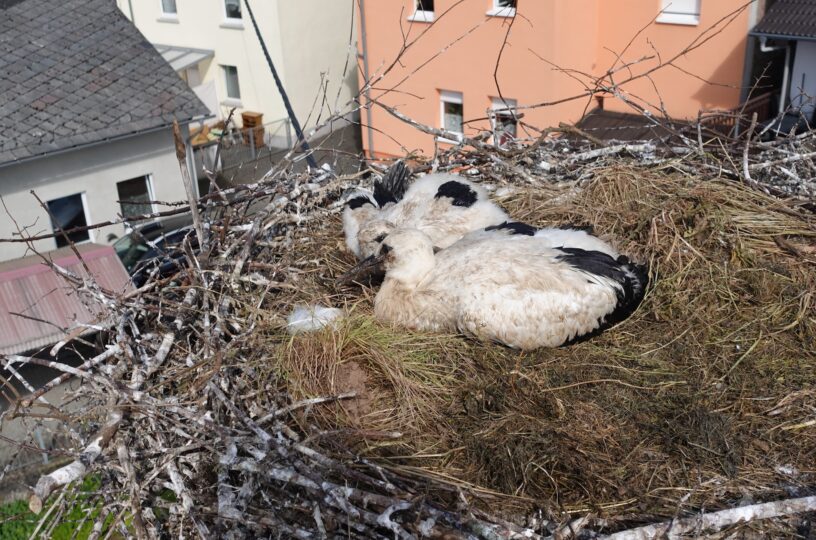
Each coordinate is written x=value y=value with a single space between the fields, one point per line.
x=497 y=10
x=497 y=103
x=230 y=100
x=680 y=18
x=165 y=16
x=232 y=22
x=85 y=212
x=456 y=98
x=421 y=15
x=151 y=196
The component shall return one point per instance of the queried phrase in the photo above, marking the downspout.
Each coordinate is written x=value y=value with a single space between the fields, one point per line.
x=369 y=129
x=130 y=7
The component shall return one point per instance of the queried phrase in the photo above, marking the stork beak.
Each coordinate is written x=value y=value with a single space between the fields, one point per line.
x=370 y=271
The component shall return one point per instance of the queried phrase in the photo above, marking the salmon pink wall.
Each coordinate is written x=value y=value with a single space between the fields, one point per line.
x=459 y=52
x=713 y=72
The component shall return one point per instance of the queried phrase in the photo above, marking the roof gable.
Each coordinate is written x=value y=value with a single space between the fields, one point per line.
x=77 y=72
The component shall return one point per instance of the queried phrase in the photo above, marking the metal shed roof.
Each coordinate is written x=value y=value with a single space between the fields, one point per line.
x=182 y=57
x=36 y=305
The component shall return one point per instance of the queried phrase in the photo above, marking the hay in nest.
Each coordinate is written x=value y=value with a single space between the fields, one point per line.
x=698 y=394
x=208 y=418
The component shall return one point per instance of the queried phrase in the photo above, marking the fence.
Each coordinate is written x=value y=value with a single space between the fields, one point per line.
x=733 y=121
x=242 y=149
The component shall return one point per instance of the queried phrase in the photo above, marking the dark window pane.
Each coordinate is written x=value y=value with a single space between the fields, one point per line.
x=453 y=117
x=233 y=9
x=67 y=213
x=425 y=5
x=134 y=197
x=506 y=3
x=231 y=80
x=169 y=6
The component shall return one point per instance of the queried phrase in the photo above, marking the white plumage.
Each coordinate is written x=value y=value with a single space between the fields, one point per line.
x=515 y=289
x=443 y=206
x=311 y=318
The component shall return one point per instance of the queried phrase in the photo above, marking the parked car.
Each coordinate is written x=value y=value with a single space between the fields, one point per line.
x=134 y=246
x=164 y=256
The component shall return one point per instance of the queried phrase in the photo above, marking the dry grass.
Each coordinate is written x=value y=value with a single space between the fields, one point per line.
x=704 y=395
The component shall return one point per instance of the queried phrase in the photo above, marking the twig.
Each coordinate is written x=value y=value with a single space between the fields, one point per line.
x=717 y=521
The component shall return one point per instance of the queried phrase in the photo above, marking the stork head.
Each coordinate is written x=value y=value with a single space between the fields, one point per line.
x=358 y=211
x=371 y=235
x=406 y=255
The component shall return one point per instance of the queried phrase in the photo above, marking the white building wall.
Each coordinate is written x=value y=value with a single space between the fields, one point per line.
x=803 y=78
x=305 y=38
x=93 y=171
x=328 y=53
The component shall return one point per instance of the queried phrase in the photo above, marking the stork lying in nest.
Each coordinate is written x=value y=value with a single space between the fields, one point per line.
x=453 y=261
x=496 y=285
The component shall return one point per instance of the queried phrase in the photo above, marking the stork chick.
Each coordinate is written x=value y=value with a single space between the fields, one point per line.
x=443 y=206
x=512 y=289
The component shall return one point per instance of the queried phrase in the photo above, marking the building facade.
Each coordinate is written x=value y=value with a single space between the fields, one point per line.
x=213 y=46
x=86 y=113
x=460 y=60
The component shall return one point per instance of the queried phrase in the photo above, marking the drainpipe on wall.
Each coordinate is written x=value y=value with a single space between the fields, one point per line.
x=369 y=129
x=130 y=7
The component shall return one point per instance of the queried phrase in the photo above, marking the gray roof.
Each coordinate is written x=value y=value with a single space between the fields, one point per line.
x=77 y=72
x=789 y=19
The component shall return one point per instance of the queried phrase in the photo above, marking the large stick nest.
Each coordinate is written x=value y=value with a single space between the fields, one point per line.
x=702 y=399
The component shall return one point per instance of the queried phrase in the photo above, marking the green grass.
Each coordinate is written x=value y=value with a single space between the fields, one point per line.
x=18 y=522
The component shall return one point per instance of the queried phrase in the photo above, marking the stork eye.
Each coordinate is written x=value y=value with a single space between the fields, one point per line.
x=380 y=238
x=385 y=249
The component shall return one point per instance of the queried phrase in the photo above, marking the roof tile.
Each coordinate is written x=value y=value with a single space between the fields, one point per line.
x=80 y=72
x=789 y=18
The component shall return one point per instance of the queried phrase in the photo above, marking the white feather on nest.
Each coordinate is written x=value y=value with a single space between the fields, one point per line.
x=311 y=318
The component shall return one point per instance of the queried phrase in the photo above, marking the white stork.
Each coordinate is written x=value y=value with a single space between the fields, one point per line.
x=443 y=206
x=514 y=289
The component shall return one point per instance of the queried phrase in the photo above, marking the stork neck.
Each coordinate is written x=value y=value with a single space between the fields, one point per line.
x=411 y=272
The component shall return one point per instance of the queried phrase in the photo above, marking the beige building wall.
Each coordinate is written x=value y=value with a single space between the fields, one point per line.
x=92 y=171
x=305 y=39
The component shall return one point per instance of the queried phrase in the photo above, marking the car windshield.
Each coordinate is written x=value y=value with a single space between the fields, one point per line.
x=130 y=249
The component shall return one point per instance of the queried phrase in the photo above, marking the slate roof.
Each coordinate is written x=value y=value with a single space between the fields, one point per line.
x=789 y=19
x=77 y=72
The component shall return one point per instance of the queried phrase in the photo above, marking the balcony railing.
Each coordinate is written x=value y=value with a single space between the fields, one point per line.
x=734 y=121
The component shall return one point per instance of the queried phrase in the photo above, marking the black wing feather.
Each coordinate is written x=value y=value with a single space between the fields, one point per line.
x=461 y=193
x=515 y=227
x=632 y=278
x=393 y=184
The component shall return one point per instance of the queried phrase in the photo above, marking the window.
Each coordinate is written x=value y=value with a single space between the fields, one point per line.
x=504 y=122
x=423 y=11
x=68 y=213
x=135 y=196
x=168 y=8
x=452 y=112
x=231 y=80
x=233 y=9
x=503 y=8
x=679 y=12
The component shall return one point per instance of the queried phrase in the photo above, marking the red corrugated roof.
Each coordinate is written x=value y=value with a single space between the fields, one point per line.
x=37 y=305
